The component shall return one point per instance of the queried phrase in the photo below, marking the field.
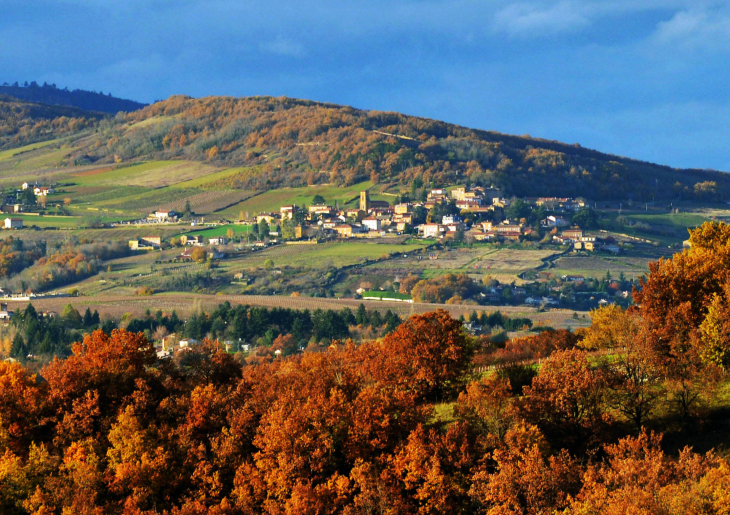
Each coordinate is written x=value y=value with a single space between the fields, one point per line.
x=221 y=230
x=319 y=256
x=274 y=199
x=504 y=264
x=598 y=266
x=184 y=304
x=8 y=154
x=61 y=222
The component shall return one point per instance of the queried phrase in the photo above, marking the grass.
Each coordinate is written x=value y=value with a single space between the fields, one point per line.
x=151 y=174
x=7 y=154
x=676 y=220
x=272 y=200
x=221 y=230
x=319 y=256
x=63 y=222
x=209 y=179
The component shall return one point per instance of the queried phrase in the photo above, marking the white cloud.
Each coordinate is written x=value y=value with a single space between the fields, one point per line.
x=696 y=29
x=283 y=46
x=528 y=20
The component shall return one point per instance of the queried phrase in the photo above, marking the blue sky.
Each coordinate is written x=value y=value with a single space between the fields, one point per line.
x=640 y=78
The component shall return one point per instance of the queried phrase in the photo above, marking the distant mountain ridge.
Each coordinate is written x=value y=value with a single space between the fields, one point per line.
x=52 y=95
x=270 y=143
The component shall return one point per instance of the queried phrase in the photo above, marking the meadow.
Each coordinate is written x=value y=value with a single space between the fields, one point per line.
x=326 y=255
x=272 y=200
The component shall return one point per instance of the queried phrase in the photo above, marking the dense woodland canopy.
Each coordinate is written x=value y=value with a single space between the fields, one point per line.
x=287 y=142
x=361 y=429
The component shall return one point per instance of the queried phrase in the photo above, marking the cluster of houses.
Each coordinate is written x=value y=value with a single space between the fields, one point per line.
x=372 y=218
x=38 y=190
x=15 y=203
x=582 y=241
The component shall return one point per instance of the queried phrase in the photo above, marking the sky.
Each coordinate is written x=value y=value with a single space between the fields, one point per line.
x=646 y=79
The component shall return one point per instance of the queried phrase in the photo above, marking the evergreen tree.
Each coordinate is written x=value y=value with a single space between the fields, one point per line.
x=17 y=350
x=87 y=321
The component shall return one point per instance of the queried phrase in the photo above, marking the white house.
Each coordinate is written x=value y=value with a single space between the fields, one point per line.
x=163 y=216
x=217 y=240
x=372 y=223
x=187 y=342
x=432 y=230
x=451 y=219
x=42 y=191
x=13 y=223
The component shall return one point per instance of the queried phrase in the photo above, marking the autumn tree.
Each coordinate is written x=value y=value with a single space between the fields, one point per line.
x=566 y=400
x=527 y=479
x=428 y=354
x=633 y=378
x=638 y=477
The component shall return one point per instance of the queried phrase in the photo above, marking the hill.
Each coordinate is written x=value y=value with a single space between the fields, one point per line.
x=266 y=143
x=87 y=100
x=23 y=122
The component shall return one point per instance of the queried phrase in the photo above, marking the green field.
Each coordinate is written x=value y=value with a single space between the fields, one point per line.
x=151 y=174
x=675 y=220
x=62 y=222
x=272 y=200
x=7 y=154
x=207 y=180
x=320 y=256
x=221 y=230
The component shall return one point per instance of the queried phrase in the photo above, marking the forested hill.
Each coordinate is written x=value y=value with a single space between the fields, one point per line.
x=292 y=142
x=280 y=142
x=88 y=100
x=24 y=122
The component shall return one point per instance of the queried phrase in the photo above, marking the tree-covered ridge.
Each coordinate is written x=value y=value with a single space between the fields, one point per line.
x=24 y=122
x=289 y=142
x=82 y=99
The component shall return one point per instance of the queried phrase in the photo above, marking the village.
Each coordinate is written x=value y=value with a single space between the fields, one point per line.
x=442 y=220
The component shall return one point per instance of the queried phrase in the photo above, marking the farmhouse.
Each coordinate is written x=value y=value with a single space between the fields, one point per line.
x=5 y=315
x=320 y=209
x=402 y=209
x=164 y=216
x=145 y=242
x=269 y=217
x=42 y=191
x=287 y=212
x=344 y=230
x=13 y=223
x=432 y=230
x=217 y=240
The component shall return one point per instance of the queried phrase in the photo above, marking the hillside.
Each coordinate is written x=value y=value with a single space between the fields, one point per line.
x=23 y=122
x=88 y=100
x=266 y=143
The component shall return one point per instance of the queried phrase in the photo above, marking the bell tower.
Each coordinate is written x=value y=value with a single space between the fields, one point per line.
x=364 y=201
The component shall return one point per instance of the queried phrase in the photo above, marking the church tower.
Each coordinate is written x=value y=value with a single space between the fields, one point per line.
x=364 y=201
